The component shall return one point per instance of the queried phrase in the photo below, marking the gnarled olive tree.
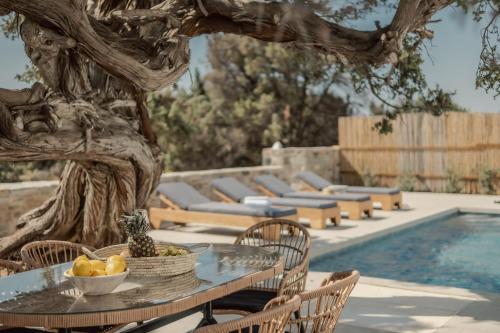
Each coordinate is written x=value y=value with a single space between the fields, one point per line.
x=99 y=58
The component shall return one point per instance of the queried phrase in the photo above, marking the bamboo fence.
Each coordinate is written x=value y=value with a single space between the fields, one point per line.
x=425 y=152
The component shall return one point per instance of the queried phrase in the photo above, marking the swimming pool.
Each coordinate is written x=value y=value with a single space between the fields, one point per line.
x=460 y=250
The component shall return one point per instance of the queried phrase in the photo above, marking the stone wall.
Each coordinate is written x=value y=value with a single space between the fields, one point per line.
x=325 y=161
x=18 y=198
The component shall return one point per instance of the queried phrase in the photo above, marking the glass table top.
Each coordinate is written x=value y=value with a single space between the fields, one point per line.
x=47 y=292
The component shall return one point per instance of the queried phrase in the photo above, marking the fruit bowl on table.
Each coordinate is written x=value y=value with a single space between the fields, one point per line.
x=96 y=285
x=162 y=265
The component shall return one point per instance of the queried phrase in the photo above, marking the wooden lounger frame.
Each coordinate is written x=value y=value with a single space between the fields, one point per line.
x=174 y=213
x=354 y=209
x=317 y=216
x=388 y=201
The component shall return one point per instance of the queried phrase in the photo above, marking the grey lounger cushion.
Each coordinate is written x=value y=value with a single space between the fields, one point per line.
x=233 y=188
x=240 y=209
x=373 y=190
x=182 y=194
x=321 y=196
x=306 y=203
x=238 y=191
x=274 y=184
x=187 y=198
x=313 y=180
x=282 y=189
x=320 y=183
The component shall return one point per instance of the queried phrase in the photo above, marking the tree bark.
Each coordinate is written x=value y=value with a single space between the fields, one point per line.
x=99 y=58
x=112 y=169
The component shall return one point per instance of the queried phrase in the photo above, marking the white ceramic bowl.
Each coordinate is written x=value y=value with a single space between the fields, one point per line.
x=97 y=285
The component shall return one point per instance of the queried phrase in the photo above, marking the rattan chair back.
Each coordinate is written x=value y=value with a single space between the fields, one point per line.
x=321 y=308
x=273 y=319
x=8 y=267
x=51 y=252
x=293 y=244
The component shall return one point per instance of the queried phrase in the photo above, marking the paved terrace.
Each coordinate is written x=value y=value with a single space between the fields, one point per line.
x=380 y=305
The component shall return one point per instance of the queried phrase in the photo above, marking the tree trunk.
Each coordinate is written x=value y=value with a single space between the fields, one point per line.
x=112 y=169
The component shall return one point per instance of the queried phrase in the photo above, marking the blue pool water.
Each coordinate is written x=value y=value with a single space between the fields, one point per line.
x=461 y=250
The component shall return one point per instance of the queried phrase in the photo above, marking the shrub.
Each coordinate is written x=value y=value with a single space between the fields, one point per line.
x=454 y=182
x=10 y=173
x=407 y=182
x=368 y=178
x=486 y=180
x=29 y=171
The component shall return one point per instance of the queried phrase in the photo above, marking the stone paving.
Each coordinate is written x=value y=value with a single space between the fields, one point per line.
x=380 y=305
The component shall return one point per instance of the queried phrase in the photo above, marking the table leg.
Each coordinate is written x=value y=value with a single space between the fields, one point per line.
x=208 y=316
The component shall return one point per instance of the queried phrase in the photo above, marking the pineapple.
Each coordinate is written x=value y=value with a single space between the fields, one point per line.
x=136 y=225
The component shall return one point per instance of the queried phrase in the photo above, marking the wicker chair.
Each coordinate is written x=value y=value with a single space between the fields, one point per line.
x=293 y=244
x=8 y=267
x=272 y=320
x=46 y=253
x=321 y=308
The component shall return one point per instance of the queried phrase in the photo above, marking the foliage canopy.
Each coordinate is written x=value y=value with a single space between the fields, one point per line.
x=253 y=95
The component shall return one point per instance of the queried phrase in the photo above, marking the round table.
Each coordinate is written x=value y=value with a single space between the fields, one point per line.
x=44 y=298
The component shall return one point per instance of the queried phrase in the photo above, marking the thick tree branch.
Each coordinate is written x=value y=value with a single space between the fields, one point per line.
x=283 y=22
x=102 y=45
x=162 y=63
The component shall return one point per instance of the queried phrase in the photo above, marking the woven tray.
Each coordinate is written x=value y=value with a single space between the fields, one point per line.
x=157 y=266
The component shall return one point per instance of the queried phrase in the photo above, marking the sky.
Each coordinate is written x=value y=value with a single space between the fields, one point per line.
x=454 y=53
x=454 y=56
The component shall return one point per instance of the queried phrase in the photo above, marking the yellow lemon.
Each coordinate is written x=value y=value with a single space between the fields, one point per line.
x=116 y=257
x=70 y=272
x=97 y=265
x=98 y=272
x=82 y=257
x=82 y=268
x=115 y=267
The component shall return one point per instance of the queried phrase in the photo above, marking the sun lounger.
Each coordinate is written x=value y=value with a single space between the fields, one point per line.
x=316 y=211
x=388 y=197
x=354 y=204
x=183 y=204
